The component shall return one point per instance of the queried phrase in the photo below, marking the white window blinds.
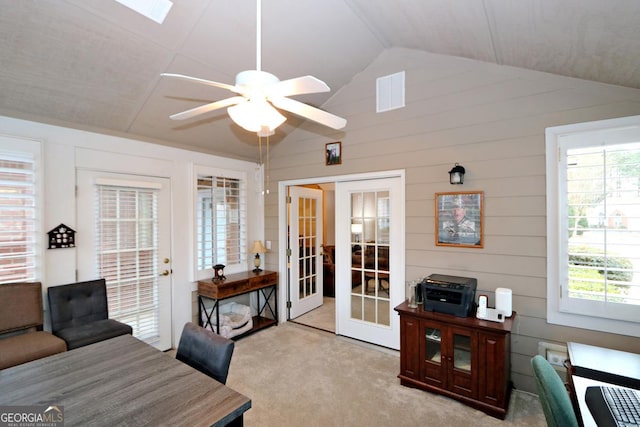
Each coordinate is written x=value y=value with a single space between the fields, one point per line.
x=127 y=254
x=593 y=225
x=603 y=225
x=221 y=219
x=18 y=223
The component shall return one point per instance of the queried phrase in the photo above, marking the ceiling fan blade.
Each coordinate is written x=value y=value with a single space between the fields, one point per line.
x=207 y=108
x=203 y=81
x=309 y=112
x=297 y=86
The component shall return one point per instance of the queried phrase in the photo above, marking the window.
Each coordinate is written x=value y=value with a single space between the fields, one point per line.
x=19 y=223
x=593 y=225
x=127 y=254
x=220 y=222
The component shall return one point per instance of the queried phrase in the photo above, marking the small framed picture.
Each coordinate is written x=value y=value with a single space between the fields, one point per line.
x=333 y=153
x=460 y=219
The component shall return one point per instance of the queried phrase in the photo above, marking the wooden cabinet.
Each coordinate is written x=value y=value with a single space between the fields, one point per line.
x=464 y=358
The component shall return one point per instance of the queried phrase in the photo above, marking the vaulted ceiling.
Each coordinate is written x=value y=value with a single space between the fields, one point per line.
x=95 y=64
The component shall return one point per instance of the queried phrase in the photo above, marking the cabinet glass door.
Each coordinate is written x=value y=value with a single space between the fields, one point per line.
x=433 y=345
x=462 y=343
x=462 y=352
x=433 y=365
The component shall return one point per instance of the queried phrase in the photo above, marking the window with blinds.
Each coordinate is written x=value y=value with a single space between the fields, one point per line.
x=603 y=223
x=221 y=221
x=127 y=254
x=593 y=225
x=18 y=225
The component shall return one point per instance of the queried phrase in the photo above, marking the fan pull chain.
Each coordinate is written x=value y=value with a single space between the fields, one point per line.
x=260 y=160
x=266 y=166
x=268 y=178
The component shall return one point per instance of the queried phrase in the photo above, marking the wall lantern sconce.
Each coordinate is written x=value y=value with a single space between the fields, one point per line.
x=456 y=175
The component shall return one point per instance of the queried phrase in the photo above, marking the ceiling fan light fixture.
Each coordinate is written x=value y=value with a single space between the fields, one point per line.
x=260 y=93
x=256 y=115
x=255 y=79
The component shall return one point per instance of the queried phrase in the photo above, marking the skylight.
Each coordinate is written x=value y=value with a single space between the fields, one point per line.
x=155 y=10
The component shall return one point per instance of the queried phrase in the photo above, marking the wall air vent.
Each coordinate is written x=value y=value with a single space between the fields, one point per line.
x=390 y=92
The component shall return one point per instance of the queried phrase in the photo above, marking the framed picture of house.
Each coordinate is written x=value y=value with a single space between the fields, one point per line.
x=333 y=153
x=459 y=219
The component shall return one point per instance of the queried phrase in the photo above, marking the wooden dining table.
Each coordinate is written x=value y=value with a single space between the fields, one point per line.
x=122 y=382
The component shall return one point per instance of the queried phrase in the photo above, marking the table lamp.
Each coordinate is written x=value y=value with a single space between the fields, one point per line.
x=258 y=248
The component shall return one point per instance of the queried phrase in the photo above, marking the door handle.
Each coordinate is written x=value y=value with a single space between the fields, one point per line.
x=165 y=273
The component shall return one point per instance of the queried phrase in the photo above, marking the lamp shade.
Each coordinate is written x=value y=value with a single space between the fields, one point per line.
x=257 y=247
x=356 y=228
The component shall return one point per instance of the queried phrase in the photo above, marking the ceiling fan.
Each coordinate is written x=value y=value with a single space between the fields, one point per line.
x=261 y=94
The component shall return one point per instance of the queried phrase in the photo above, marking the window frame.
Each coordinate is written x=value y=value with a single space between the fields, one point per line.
x=558 y=139
x=23 y=147
x=200 y=274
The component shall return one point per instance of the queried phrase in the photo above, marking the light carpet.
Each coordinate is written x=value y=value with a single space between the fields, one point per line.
x=300 y=376
x=323 y=317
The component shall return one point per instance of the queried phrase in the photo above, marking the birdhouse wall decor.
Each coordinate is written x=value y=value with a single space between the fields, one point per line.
x=62 y=237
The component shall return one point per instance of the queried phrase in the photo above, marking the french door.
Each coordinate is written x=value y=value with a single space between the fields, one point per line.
x=305 y=238
x=124 y=236
x=369 y=259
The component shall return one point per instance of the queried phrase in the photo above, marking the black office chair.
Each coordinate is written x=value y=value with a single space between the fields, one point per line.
x=80 y=315
x=555 y=400
x=205 y=351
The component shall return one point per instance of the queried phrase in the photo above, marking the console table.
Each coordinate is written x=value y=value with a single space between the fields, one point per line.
x=264 y=283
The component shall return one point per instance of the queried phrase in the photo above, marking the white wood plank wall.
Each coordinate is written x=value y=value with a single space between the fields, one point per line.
x=489 y=118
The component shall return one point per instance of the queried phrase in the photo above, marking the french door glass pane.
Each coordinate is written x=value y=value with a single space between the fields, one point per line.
x=307 y=223
x=370 y=257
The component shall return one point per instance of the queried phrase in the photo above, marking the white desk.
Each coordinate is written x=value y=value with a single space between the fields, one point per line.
x=605 y=364
x=580 y=385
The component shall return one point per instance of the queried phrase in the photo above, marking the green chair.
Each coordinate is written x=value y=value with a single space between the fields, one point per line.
x=553 y=395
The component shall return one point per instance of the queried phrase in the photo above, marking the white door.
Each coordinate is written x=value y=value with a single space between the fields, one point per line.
x=305 y=238
x=124 y=236
x=369 y=259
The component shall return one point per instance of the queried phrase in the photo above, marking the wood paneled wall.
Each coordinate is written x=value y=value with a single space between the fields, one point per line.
x=491 y=119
